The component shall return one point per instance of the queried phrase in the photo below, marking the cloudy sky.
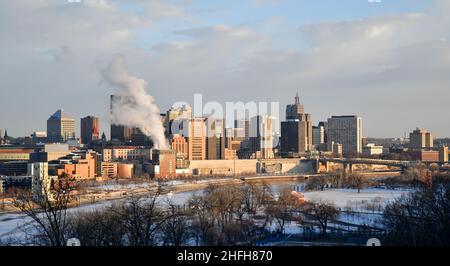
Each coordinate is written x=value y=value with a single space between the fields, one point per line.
x=387 y=61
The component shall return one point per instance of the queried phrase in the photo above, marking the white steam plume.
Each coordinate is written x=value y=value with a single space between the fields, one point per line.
x=134 y=107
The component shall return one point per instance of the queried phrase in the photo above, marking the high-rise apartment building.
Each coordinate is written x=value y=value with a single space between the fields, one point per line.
x=89 y=127
x=421 y=139
x=60 y=127
x=346 y=130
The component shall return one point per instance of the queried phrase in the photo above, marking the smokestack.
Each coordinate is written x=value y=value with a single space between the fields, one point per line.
x=139 y=110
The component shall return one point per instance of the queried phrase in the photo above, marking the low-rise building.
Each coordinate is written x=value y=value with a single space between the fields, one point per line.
x=425 y=156
x=165 y=162
x=13 y=168
x=371 y=149
x=124 y=153
x=109 y=169
x=15 y=153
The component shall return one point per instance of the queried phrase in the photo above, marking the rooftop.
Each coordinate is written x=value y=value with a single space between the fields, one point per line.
x=60 y=114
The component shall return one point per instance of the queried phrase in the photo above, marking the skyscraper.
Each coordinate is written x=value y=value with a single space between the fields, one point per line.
x=215 y=140
x=318 y=135
x=89 y=128
x=244 y=126
x=261 y=136
x=296 y=132
x=60 y=127
x=267 y=123
x=196 y=139
x=120 y=132
x=173 y=114
x=325 y=130
x=293 y=110
x=290 y=140
x=346 y=130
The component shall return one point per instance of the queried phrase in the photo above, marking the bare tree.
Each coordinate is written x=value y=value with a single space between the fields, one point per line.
x=175 y=229
x=336 y=178
x=99 y=227
x=48 y=209
x=283 y=209
x=421 y=218
x=322 y=212
x=317 y=183
x=142 y=217
x=356 y=181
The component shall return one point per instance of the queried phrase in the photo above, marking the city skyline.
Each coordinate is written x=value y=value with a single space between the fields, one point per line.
x=376 y=60
x=107 y=124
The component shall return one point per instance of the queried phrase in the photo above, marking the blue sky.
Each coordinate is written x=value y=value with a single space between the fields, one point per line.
x=290 y=13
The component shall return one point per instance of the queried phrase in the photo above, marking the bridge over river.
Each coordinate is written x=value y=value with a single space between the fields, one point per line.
x=348 y=163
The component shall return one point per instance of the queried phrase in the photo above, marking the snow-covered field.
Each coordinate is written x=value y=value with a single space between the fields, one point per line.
x=350 y=197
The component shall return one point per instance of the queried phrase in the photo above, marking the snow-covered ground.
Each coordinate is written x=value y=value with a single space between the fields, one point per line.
x=350 y=197
x=10 y=224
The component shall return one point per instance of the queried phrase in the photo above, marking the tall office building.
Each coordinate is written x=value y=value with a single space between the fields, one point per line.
x=138 y=138
x=196 y=139
x=176 y=114
x=120 y=132
x=318 y=135
x=290 y=136
x=421 y=139
x=293 y=110
x=90 y=129
x=296 y=132
x=60 y=127
x=261 y=136
x=215 y=140
x=244 y=129
x=266 y=133
x=346 y=130
x=325 y=130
